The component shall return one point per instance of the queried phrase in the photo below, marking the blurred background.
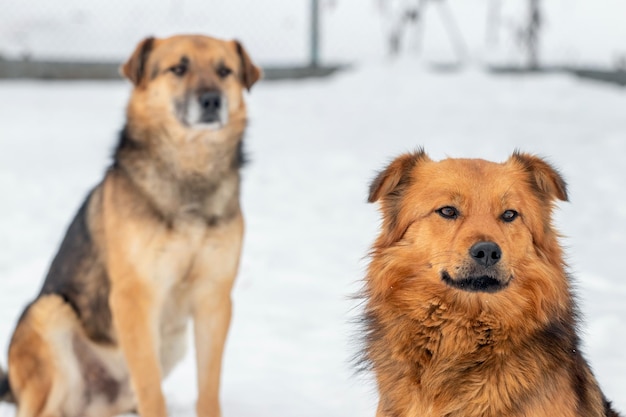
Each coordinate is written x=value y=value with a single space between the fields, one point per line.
x=552 y=33
x=349 y=85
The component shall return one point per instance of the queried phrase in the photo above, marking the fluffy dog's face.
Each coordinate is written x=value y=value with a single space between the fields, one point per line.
x=194 y=81
x=466 y=225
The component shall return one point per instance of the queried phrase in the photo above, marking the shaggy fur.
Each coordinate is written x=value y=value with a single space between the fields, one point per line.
x=457 y=330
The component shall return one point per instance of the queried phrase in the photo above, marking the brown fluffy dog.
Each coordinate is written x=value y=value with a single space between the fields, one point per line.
x=156 y=243
x=469 y=309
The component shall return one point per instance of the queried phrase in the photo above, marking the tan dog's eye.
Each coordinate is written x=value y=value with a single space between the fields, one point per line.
x=224 y=72
x=179 y=70
x=448 y=212
x=509 y=215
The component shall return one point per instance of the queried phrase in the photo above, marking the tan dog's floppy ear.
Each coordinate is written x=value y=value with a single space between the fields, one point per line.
x=544 y=178
x=134 y=68
x=249 y=73
x=395 y=175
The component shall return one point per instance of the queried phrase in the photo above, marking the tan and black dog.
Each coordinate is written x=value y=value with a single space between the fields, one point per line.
x=156 y=243
x=469 y=310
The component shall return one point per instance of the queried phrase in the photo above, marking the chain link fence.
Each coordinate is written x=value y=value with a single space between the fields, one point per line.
x=279 y=33
x=276 y=32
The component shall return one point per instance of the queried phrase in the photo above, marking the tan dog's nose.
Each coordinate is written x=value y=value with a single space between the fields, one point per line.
x=210 y=101
x=210 y=104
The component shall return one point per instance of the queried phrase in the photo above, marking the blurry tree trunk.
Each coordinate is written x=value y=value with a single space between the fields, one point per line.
x=412 y=13
x=532 y=33
x=452 y=30
x=402 y=15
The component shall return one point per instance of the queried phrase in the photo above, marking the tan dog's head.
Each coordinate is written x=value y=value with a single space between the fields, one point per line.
x=195 y=82
x=467 y=226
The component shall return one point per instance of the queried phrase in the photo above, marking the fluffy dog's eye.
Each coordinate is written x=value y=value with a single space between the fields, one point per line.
x=179 y=69
x=224 y=72
x=448 y=212
x=509 y=215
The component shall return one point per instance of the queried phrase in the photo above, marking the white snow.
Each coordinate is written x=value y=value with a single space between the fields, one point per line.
x=314 y=147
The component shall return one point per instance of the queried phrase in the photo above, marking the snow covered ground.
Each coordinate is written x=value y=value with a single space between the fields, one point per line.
x=314 y=146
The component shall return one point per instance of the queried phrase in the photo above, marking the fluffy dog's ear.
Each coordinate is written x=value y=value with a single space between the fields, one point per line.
x=134 y=68
x=545 y=179
x=249 y=73
x=388 y=187
x=395 y=176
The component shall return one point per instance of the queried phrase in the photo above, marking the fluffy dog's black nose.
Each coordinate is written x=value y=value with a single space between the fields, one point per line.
x=486 y=253
x=210 y=101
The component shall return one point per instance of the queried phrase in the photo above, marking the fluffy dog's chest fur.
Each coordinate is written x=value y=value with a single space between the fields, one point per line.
x=435 y=363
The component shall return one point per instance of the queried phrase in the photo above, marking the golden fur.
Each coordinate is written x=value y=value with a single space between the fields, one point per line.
x=452 y=333
x=156 y=243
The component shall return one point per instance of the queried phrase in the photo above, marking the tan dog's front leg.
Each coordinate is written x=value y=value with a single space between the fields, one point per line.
x=211 y=322
x=133 y=307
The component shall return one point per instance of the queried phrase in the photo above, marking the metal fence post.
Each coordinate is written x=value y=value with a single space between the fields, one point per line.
x=315 y=33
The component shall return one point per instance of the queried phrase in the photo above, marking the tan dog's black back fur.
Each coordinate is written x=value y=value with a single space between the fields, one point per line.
x=156 y=243
x=469 y=311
